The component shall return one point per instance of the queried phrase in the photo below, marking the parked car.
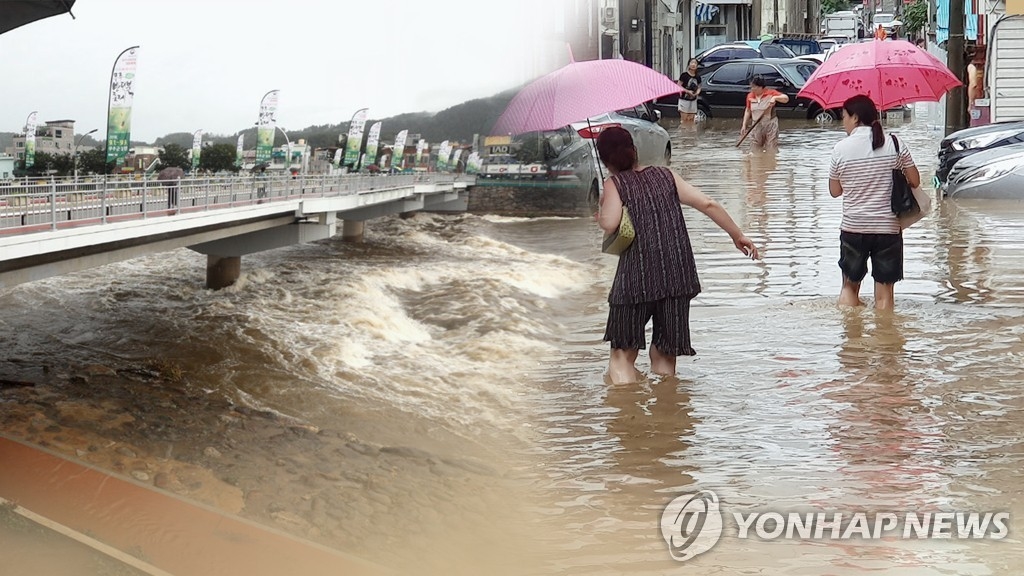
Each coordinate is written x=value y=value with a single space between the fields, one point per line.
x=967 y=142
x=568 y=155
x=724 y=90
x=996 y=173
x=739 y=50
x=799 y=46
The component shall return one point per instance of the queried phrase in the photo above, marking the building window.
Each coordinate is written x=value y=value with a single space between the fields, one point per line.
x=20 y=144
x=21 y=155
x=59 y=133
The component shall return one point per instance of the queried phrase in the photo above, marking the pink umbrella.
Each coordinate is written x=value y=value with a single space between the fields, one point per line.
x=891 y=73
x=580 y=90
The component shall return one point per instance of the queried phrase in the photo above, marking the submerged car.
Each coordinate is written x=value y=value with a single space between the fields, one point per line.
x=738 y=51
x=997 y=173
x=967 y=142
x=724 y=91
x=568 y=155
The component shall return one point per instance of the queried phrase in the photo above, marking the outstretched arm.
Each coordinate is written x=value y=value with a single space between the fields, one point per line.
x=689 y=195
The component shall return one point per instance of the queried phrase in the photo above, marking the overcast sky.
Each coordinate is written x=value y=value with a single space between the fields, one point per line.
x=205 y=64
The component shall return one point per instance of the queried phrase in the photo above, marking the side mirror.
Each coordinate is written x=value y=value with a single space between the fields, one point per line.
x=781 y=83
x=657 y=115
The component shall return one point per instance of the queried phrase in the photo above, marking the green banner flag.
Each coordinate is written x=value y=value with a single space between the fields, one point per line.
x=398 y=154
x=119 y=108
x=372 y=143
x=354 y=145
x=442 y=155
x=30 y=140
x=197 y=148
x=266 y=126
x=240 y=151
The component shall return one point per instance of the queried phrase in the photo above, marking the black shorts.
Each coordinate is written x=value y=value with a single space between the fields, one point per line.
x=884 y=250
x=627 y=324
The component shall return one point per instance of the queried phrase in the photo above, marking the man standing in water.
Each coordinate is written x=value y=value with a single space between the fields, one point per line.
x=760 y=108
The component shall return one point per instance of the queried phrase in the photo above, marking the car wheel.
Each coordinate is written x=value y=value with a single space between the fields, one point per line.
x=594 y=196
x=703 y=114
x=823 y=116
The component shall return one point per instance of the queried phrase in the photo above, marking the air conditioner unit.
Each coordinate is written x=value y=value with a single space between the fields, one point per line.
x=610 y=15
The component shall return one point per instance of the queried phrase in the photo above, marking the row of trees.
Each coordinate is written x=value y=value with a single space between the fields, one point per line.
x=214 y=158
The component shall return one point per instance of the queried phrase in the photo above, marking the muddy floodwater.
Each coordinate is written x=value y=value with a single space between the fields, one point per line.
x=433 y=399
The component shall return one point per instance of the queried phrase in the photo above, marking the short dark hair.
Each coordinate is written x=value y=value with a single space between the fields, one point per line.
x=616 y=149
x=758 y=81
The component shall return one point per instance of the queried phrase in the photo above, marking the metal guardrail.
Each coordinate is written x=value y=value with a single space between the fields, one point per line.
x=33 y=206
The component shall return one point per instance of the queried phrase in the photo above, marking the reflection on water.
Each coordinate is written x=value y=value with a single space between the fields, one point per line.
x=451 y=371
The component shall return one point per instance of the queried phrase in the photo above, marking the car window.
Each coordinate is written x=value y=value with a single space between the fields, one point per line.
x=769 y=73
x=715 y=56
x=799 y=74
x=776 y=51
x=628 y=112
x=737 y=53
x=731 y=74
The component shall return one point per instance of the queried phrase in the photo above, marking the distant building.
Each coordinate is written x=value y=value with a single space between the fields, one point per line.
x=142 y=158
x=55 y=137
x=6 y=167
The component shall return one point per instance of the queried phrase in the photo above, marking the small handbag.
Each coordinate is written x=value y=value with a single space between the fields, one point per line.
x=903 y=201
x=617 y=242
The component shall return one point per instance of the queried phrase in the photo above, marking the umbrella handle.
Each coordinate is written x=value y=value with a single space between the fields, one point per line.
x=751 y=129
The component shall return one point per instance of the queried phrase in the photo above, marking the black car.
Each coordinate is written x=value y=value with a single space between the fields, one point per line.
x=963 y=143
x=724 y=90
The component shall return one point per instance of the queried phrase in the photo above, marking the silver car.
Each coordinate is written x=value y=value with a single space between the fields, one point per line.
x=997 y=174
x=653 y=145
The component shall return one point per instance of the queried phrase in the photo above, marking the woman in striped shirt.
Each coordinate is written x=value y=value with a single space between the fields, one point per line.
x=861 y=172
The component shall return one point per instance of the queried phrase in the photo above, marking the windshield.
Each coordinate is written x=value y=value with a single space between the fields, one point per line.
x=883 y=18
x=776 y=51
x=798 y=74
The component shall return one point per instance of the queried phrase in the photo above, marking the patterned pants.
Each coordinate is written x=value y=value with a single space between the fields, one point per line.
x=766 y=133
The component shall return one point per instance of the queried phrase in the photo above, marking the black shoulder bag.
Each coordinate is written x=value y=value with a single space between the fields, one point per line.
x=903 y=201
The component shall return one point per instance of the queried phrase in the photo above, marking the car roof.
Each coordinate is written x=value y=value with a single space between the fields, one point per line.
x=765 y=61
x=990 y=154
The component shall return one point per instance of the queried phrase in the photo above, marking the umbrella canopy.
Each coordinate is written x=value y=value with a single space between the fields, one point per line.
x=580 y=90
x=169 y=176
x=15 y=13
x=891 y=73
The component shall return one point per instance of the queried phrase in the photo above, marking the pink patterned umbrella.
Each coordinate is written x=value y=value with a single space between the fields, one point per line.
x=891 y=73
x=580 y=90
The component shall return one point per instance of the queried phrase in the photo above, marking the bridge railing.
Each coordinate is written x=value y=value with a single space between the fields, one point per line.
x=28 y=206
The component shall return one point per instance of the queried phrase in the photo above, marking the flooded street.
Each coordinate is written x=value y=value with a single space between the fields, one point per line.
x=433 y=399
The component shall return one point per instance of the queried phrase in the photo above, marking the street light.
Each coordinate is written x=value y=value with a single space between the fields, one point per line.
x=74 y=153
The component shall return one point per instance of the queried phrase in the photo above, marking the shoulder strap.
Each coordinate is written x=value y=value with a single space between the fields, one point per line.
x=895 y=143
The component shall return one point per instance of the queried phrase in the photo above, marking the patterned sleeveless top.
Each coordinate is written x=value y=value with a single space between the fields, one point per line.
x=659 y=264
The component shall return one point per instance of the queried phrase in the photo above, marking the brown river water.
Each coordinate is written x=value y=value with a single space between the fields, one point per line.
x=433 y=399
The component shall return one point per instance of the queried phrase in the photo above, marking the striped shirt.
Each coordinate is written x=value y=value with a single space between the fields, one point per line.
x=866 y=178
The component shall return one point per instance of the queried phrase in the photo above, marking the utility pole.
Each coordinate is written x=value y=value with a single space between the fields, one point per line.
x=956 y=99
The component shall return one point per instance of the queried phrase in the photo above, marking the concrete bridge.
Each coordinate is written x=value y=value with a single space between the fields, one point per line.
x=53 y=228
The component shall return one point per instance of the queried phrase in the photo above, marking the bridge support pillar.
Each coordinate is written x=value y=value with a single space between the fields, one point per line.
x=222 y=271
x=352 y=231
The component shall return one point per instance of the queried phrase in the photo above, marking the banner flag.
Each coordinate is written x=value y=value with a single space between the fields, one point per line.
x=240 y=151
x=442 y=155
x=119 y=105
x=197 y=148
x=266 y=126
x=355 y=137
x=398 y=154
x=421 y=146
x=372 y=142
x=30 y=140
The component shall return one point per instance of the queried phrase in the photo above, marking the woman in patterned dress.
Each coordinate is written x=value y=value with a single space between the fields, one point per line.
x=656 y=277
